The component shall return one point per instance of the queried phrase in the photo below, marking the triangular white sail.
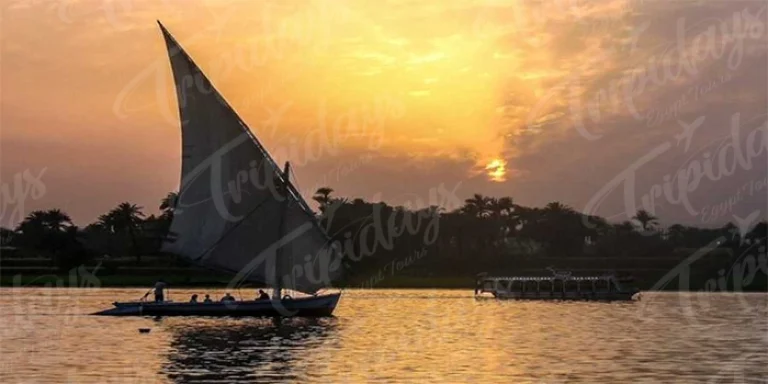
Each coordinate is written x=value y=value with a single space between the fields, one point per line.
x=231 y=215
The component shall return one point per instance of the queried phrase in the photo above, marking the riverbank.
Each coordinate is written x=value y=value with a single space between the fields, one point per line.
x=114 y=281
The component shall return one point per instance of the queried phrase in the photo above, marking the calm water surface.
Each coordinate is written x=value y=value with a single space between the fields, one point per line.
x=389 y=336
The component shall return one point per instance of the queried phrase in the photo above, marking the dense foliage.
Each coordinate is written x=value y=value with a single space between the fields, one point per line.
x=486 y=233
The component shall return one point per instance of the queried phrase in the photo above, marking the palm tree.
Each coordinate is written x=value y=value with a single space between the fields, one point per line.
x=162 y=225
x=557 y=208
x=106 y=222
x=323 y=197
x=475 y=210
x=168 y=204
x=501 y=212
x=562 y=229
x=647 y=220
x=6 y=236
x=52 y=219
x=33 y=230
x=56 y=220
x=48 y=231
x=500 y=207
x=506 y=205
x=34 y=222
x=127 y=217
x=477 y=205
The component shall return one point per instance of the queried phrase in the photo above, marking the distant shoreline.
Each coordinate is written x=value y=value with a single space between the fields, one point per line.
x=134 y=281
x=184 y=282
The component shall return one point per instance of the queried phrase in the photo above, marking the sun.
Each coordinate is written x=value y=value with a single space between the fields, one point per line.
x=497 y=170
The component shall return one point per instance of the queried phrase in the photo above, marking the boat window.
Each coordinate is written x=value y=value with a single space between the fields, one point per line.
x=559 y=285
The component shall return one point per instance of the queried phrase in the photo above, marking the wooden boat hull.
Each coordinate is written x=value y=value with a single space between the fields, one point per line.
x=314 y=306
x=571 y=296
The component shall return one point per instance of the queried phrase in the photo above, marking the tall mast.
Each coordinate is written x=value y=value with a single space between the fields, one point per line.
x=278 y=288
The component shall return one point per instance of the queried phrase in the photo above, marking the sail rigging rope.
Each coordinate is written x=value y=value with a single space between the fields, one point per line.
x=295 y=179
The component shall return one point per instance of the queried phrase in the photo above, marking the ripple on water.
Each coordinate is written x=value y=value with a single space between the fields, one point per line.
x=390 y=336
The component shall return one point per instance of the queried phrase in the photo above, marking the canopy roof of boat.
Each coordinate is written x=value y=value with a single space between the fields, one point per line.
x=547 y=278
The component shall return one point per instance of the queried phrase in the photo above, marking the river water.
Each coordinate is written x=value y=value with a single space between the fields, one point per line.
x=387 y=336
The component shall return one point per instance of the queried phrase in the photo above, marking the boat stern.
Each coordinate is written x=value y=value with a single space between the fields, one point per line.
x=120 y=310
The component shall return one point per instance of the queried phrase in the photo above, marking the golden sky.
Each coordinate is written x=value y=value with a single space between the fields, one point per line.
x=377 y=99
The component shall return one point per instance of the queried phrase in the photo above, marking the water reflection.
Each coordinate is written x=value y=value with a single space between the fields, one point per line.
x=394 y=336
x=252 y=350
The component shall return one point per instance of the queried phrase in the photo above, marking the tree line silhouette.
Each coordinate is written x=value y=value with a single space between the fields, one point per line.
x=484 y=234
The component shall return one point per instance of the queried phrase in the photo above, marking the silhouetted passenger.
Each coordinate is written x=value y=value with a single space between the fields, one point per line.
x=207 y=299
x=193 y=299
x=159 y=294
x=263 y=295
x=228 y=297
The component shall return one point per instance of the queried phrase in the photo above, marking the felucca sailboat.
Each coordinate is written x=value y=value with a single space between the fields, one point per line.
x=238 y=212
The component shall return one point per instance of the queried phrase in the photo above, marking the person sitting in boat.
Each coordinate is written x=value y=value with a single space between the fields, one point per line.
x=159 y=288
x=193 y=299
x=228 y=297
x=263 y=295
x=207 y=299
